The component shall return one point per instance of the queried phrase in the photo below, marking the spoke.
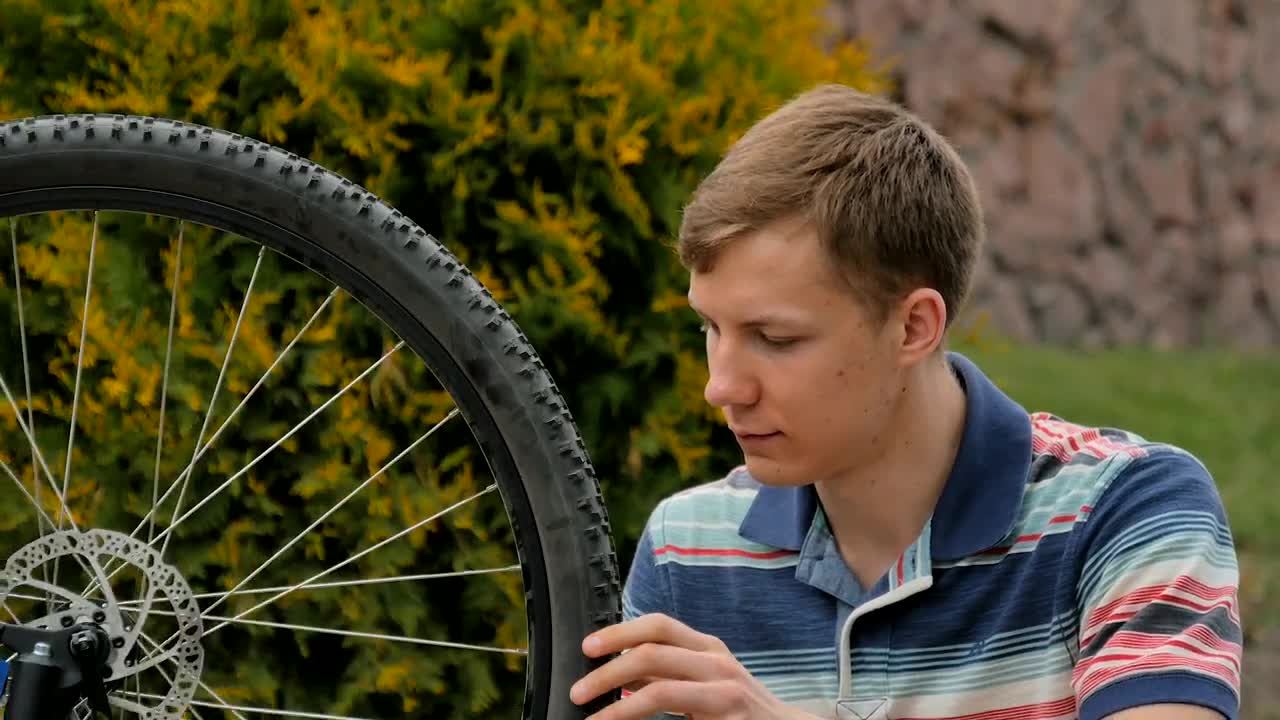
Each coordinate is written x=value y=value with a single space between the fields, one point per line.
x=157 y=654
x=280 y=358
x=222 y=702
x=164 y=383
x=4 y=387
x=26 y=379
x=41 y=513
x=12 y=614
x=113 y=606
x=75 y=396
x=137 y=693
x=345 y=583
x=261 y=710
x=226 y=483
x=39 y=510
x=206 y=688
x=217 y=387
x=352 y=633
x=256 y=460
x=155 y=505
x=332 y=510
x=137 y=622
x=74 y=599
x=355 y=557
x=21 y=596
x=211 y=440
x=136 y=708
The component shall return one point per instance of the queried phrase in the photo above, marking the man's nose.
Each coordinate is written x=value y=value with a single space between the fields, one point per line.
x=729 y=383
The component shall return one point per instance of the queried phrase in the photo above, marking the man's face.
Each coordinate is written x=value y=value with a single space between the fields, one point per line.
x=805 y=379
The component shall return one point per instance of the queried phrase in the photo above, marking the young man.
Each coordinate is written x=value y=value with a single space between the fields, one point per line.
x=903 y=540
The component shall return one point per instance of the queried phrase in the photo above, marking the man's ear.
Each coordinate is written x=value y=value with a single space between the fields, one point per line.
x=921 y=317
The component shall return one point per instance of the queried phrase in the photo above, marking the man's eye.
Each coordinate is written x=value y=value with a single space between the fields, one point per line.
x=777 y=342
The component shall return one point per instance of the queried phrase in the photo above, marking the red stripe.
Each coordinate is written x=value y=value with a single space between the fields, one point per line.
x=1213 y=597
x=1116 y=617
x=1129 y=615
x=1063 y=439
x=1041 y=447
x=1074 y=442
x=1036 y=711
x=1042 y=423
x=1217 y=647
x=770 y=555
x=1184 y=583
x=1159 y=661
x=1058 y=520
x=900 y=570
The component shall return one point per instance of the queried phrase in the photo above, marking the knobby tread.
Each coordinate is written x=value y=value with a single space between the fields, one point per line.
x=323 y=192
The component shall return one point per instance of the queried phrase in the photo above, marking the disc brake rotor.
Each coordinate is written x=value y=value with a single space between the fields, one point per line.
x=177 y=656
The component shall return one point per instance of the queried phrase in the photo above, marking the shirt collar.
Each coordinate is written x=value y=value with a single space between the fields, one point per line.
x=979 y=504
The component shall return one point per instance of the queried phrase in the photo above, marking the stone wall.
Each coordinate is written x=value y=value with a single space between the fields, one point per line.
x=1128 y=152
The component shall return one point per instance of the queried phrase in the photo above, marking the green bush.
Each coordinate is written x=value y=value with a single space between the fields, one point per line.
x=550 y=144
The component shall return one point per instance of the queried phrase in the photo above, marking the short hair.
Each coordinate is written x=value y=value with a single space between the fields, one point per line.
x=890 y=199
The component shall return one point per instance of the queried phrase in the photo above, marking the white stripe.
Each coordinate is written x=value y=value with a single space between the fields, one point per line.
x=1103 y=665
x=803 y=652
x=715 y=489
x=696 y=525
x=793 y=683
x=987 y=673
x=792 y=665
x=728 y=561
x=1163 y=573
x=1024 y=692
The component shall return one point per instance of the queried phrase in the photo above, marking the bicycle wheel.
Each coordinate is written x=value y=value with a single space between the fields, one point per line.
x=273 y=548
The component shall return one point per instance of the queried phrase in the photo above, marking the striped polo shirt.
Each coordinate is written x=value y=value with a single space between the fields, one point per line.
x=1066 y=572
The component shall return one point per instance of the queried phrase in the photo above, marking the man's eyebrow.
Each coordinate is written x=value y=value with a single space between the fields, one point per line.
x=760 y=320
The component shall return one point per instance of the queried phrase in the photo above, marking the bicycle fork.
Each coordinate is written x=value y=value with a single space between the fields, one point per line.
x=56 y=669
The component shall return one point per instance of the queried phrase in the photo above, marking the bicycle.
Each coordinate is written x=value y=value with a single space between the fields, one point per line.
x=82 y=643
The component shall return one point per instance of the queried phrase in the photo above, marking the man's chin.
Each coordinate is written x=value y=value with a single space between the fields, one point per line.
x=775 y=474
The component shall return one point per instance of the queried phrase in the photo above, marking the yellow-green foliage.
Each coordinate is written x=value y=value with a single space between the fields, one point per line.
x=551 y=144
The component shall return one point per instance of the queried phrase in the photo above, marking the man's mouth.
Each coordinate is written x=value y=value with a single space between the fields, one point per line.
x=755 y=435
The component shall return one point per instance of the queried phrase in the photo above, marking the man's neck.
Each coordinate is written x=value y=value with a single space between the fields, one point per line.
x=878 y=513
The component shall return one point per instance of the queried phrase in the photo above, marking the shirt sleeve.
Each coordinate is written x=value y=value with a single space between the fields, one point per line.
x=1157 y=593
x=648 y=586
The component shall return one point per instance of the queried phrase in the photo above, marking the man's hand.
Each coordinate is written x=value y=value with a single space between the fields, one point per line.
x=669 y=667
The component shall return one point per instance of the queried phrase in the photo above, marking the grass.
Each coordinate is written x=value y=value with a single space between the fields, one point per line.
x=1222 y=406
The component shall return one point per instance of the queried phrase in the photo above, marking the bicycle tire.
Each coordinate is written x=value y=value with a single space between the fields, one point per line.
x=415 y=285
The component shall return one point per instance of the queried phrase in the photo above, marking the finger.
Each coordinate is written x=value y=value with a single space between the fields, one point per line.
x=635 y=685
x=642 y=664
x=677 y=697
x=651 y=628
